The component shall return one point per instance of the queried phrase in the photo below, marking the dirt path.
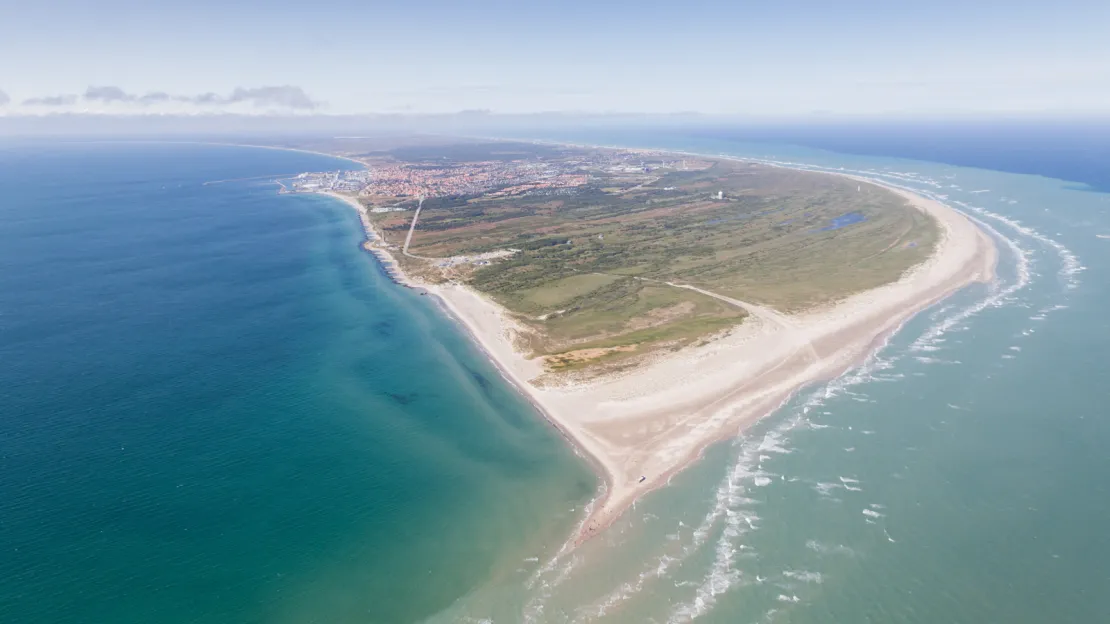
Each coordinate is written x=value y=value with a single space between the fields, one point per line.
x=764 y=314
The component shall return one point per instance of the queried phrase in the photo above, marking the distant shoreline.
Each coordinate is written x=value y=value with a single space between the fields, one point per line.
x=705 y=394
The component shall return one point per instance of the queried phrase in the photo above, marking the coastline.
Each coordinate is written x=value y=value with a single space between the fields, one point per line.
x=640 y=429
x=375 y=242
x=495 y=350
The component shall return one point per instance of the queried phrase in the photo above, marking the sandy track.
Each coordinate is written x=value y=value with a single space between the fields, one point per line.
x=764 y=314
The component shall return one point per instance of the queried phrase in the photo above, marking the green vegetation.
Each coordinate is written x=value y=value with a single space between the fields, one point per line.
x=564 y=291
x=591 y=269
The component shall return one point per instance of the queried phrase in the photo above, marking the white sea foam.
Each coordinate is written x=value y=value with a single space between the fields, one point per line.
x=723 y=575
x=739 y=519
x=731 y=503
x=785 y=598
x=1070 y=266
x=851 y=485
x=562 y=566
x=804 y=576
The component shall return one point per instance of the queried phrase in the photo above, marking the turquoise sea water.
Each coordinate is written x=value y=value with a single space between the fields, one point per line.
x=214 y=407
x=960 y=475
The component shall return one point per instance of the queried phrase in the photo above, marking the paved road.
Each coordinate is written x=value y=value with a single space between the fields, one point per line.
x=412 y=228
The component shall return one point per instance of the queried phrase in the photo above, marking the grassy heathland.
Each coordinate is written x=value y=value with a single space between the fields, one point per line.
x=588 y=277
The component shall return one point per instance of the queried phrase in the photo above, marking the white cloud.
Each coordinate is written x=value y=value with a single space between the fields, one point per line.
x=113 y=99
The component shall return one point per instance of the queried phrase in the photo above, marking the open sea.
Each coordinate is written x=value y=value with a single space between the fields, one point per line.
x=214 y=407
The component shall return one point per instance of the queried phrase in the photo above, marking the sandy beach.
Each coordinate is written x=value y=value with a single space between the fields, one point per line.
x=639 y=428
x=375 y=242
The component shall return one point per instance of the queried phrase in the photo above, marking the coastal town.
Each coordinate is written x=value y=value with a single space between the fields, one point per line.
x=405 y=180
x=391 y=181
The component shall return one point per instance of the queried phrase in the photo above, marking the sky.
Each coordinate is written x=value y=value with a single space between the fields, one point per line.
x=767 y=58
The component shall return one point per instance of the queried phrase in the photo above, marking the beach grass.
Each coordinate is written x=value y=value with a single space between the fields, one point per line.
x=592 y=268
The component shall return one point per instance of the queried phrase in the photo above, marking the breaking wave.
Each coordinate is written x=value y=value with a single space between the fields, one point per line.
x=732 y=514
